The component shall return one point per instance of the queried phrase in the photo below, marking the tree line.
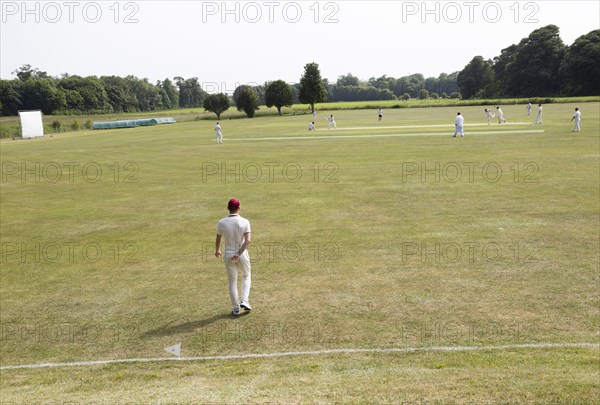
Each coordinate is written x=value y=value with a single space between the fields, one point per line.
x=350 y=88
x=34 y=89
x=541 y=65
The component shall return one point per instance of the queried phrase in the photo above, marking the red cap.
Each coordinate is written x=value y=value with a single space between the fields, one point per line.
x=233 y=204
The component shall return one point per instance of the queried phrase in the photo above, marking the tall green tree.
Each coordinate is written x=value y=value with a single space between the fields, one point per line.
x=579 y=71
x=191 y=94
x=260 y=91
x=170 y=94
x=42 y=94
x=26 y=72
x=431 y=84
x=447 y=83
x=382 y=82
x=85 y=94
x=348 y=80
x=216 y=103
x=312 y=87
x=535 y=68
x=148 y=95
x=475 y=76
x=246 y=99
x=499 y=88
x=119 y=93
x=278 y=94
x=10 y=97
x=409 y=84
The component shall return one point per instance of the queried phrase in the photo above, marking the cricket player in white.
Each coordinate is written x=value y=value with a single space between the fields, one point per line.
x=458 y=123
x=528 y=108
x=311 y=126
x=489 y=115
x=500 y=115
x=538 y=118
x=577 y=119
x=219 y=133
x=331 y=122
x=236 y=231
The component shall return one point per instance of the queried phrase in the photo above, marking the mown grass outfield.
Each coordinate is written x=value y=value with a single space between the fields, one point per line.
x=9 y=126
x=391 y=237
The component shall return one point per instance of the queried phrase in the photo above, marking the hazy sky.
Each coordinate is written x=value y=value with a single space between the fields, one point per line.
x=242 y=42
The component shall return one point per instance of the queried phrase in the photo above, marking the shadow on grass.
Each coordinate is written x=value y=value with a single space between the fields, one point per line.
x=170 y=329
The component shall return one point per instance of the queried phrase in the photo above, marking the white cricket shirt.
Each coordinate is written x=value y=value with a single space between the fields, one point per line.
x=233 y=228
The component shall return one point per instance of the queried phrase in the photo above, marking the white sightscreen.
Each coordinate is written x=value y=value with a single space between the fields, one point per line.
x=31 y=124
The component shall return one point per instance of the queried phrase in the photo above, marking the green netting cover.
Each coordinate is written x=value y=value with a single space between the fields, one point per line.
x=132 y=123
x=114 y=124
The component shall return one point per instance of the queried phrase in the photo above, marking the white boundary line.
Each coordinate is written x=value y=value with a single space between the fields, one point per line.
x=302 y=353
x=449 y=126
x=429 y=126
x=447 y=134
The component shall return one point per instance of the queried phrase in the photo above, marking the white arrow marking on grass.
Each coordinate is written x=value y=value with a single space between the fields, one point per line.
x=175 y=349
x=304 y=353
x=448 y=134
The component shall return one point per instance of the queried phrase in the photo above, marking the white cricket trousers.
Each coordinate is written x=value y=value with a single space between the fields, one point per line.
x=459 y=130
x=576 y=128
x=243 y=265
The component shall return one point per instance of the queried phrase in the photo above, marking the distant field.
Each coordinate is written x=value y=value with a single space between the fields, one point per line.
x=345 y=105
x=383 y=254
x=9 y=126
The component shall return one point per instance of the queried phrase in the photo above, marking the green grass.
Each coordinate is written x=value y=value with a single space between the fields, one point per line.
x=9 y=126
x=355 y=250
x=414 y=103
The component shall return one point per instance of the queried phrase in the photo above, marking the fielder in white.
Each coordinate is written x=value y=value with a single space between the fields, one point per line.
x=311 y=126
x=489 y=115
x=219 y=133
x=236 y=231
x=529 y=108
x=577 y=119
x=500 y=115
x=458 y=124
x=331 y=122
x=538 y=118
